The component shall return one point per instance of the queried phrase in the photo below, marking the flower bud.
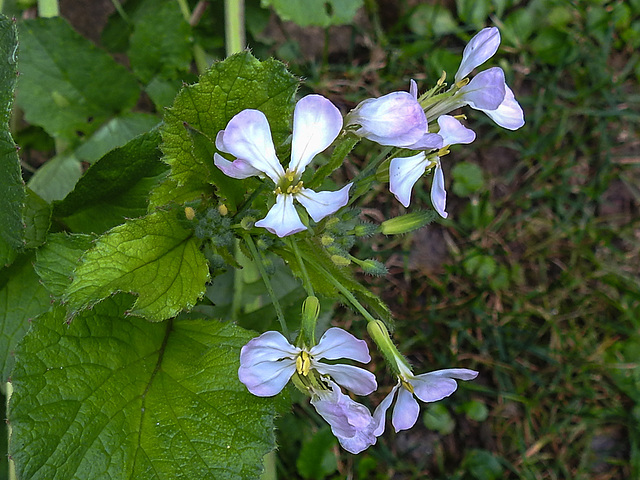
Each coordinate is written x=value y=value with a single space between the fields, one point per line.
x=340 y=260
x=406 y=223
x=373 y=267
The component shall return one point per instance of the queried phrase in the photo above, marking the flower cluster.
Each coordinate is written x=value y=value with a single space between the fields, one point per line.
x=424 y=124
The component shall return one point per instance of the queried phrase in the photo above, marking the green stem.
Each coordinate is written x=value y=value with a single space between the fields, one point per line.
x=234 y=26
x=120 y=10
x=238 y=286
x=267 y=283
x=48 y=8
x=306 y=281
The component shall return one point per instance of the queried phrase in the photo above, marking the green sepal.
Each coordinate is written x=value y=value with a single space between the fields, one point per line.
x=345 y=143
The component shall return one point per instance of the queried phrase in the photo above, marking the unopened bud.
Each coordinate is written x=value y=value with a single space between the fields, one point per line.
x=327 y=240
x=340 y=261
x=190 y=213
x=407 y=223
x=365 y=229
x=222 y=208
x=374 y=267
x=247 y=222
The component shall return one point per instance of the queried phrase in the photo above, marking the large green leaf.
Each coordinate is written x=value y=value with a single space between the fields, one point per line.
x=322 y=13
x=67 y=85
x=22 y=298
x=112 y=398
x=114 y=188
x=200 y=111
x=153 y=257
x=12 y=194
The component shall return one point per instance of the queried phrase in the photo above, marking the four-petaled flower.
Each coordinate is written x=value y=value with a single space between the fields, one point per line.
x=404 y=172
x=316 y=124
x=428 y=387
x=268 y=362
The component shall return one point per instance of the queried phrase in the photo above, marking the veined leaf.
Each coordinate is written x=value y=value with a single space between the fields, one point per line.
x=11 y=185
x=66 y=84
x=200 y=111
x=153 y=257
x=113 y=398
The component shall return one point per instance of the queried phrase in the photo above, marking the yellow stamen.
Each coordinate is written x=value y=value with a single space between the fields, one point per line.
x=444 y=151
x=463 y=82
x=442 y=78
x=406 y=385
x=303 y=363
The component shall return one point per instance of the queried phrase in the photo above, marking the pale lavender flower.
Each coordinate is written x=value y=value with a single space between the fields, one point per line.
x=479 y=49
x=427 y=387
x=395 y=119
x=351 y=423
x=268 y=362
x=316 y=124
x=404 y=172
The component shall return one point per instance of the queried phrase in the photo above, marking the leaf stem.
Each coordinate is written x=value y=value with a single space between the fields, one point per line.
x=267 y=283
x=234 y=26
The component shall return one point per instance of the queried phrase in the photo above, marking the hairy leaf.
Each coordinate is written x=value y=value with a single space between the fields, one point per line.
x=153 y=257
x=113 y=398
x=200 y=111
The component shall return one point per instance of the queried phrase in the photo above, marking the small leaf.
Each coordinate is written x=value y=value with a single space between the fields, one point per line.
x=437 y=417
x=37 y=217
x=467 y=179
x=11 y=185
x=67 y=85
x=317 y=459
x=56 y=178
x=200 y=111
x=113 y=398
x=153 y=257
x=114 y=188
x=58 y=258
x=482 y=465
x=22 y=298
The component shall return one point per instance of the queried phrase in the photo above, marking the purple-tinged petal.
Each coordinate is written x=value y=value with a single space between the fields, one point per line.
x=350 y=422
x=248 y=136
x=406 y=411
x=268 y=347
x=337 y=343
x=381 y=411
x=267 y=378
x=434 y=386
x=479 y=49
x=404 y=173
x=438 y=192
x=509 y=114
x=236 y=169
x=282 y=219
x=316 y=124
x=413 y=88
x=453 y=132
x=485 y=91
x=355 y=379
x=321 y=204
x=395 y=119
x=429 y=141
x=220 y=142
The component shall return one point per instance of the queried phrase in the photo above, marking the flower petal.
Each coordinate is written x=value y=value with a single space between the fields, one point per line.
x=321 y=204
x=485 y=91
x=429 y=141
x=404 y=172
x=413 y=88
x=509 y=114
x=453 y=132
x=355 y=379
x=316 y=124
x=337 y=343
x=438 y=192
x=479 y=49
x=395 y=119
x=282 y=219
x=236 y=169
x=267 y=378
x=434 y=386
x=268 y=347
x=406 y=411
x=248 y=136
x=381 y=411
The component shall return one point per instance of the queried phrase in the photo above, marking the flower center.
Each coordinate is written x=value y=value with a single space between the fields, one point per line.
x=406 y=385
x=288 y=185
x=303 y=363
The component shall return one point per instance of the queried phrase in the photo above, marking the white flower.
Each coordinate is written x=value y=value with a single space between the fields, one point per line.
x=479 y=49
x=428 y=387
x=316 y=124
x=404 y=172
x=350 y=422
x=268 y=362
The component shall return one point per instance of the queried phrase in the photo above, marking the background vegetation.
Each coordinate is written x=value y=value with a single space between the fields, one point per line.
x=534 y=278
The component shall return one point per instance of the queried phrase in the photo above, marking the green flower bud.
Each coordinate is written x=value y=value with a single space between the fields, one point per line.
x=374 y=267
x=407 y=223
x=340 y=260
